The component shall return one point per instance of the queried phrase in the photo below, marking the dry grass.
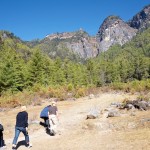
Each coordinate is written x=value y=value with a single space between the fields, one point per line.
x=75 y=135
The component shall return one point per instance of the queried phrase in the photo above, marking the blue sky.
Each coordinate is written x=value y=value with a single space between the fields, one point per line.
x=32 y=19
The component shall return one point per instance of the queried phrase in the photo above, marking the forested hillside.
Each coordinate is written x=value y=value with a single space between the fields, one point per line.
x=123 y=63
x=24 y=68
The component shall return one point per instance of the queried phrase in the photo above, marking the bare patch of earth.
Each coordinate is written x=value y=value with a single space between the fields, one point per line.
x=77 y=133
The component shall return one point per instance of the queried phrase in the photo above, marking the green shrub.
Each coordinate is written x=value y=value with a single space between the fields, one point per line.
x=70 y=87
x=80 y=92
x=133 y=86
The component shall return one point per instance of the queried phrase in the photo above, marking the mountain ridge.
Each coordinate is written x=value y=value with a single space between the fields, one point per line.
x=79 y=44
x=112 y=31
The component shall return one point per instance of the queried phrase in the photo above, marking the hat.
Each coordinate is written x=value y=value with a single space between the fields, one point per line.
x=23 y=108
x=53 y=102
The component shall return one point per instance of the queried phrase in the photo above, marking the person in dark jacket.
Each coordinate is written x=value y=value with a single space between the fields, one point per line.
x=21 y=126
x=1 y=136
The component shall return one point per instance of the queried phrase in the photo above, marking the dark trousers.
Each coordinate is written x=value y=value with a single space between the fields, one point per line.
x=1 y=140
x=46 y=121
x=17 y=133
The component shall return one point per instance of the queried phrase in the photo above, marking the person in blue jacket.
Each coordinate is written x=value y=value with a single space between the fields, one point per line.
x=45 y=117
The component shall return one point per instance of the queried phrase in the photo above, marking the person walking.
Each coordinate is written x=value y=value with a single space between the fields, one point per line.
x=45 y=117
x=21 y=126
x=53 y=118
x=2 y=143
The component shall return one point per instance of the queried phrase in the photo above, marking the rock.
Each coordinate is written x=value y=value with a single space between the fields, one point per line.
x=116 y=104
x=141 y=106
x=129 y=106
x=91 y=117
x=91 y=96
x=138 y=104
x=113 y=113
x=114 y=31
x=141 y=20
x=144 y=102
x=93 y=113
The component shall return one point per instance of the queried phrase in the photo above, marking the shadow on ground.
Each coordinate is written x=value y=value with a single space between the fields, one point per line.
x=21 y=143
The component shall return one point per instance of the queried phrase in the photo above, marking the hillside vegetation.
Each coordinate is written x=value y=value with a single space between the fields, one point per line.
x=122 y=64
x=26 y=69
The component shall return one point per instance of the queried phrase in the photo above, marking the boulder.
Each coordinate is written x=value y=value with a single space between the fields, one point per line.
x=113 y=113
x=91 y=117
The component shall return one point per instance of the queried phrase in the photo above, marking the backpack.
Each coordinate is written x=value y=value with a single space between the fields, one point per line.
x=1 y=128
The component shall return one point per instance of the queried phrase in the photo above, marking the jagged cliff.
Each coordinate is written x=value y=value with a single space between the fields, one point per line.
x=141 y=20
x=114 y=31
x=78 y=42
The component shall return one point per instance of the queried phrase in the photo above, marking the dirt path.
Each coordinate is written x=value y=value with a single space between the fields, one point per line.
x=72 y=136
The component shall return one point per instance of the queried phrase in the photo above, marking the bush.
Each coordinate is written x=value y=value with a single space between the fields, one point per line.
x=70 y=87
x=134 y=86
x=80 y=92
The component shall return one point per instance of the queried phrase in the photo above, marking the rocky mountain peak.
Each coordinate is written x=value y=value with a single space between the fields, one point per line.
x=141 y=20
x=109 y=22
x=79 y=42
x=114 y=31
